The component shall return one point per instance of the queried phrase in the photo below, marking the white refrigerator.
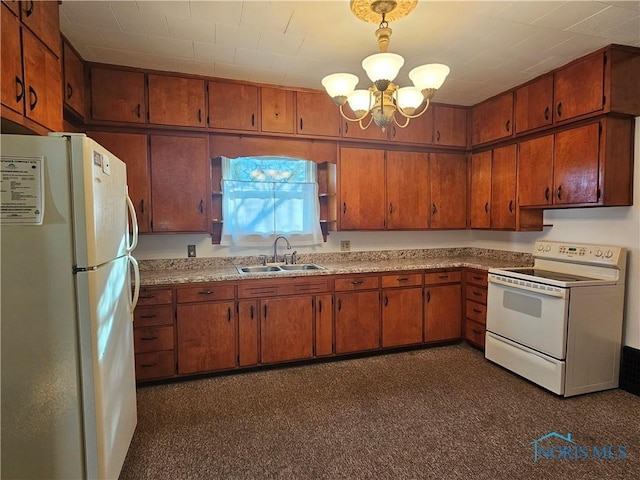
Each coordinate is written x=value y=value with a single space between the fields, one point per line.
x=68 y=376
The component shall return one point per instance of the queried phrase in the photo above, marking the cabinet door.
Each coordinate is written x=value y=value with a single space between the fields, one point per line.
x=361 y=177
x=176 y=101
x=575 y=171
x=12 y=85
x=442 y=313
x=448 y=174
x=73 y=80
x=286 y=329
x=277 y=110
x=492 y=120
x=206 y=337
x=534 y=104
x=353 y=130
x=503 y=188
x=535 y=171
x=317 y=114
x=248 y=338
x=42 y=18
x=131 y=148
x=407 y=190
x=579 y=88
x=13 y=5
x=357 y=321
x=233 y=106
x=43 y=83
x=401 y=316
x=419 y=130
x=117 y=95
x=179 y=184
x=324 y=324
x=450 y=126
x=481 y=190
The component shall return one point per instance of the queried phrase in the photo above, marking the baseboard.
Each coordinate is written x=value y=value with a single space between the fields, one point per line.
x=630 y=370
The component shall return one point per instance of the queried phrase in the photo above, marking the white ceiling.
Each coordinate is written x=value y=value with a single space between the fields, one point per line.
x=490 y=46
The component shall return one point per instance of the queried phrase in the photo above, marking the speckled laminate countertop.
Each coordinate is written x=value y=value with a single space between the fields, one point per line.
x=180 y=271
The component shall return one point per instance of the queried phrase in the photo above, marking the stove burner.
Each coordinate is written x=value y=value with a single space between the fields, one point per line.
x=562 y=277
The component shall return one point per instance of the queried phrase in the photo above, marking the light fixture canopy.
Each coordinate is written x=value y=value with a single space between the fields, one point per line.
x=384 y=98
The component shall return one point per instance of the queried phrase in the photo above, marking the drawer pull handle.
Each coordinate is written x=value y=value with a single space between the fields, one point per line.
x=477 y=332
x=205 y=292
x=477 y=311
x=34 y=98
x=443 y=277
x=139 y=110
x=477 y=294
x=428 y=296
x=228 y=314
x=149 y=365
x=147 y=296
x=319 y=306
x=477 y=277
x=265 y=311
x=386 y=300
x=546 y=113
x=148 y=338
x=149 y=316
x=357 y=282
x=486 y=207
x=251 y=312
x=403 y=279
x=19 y=94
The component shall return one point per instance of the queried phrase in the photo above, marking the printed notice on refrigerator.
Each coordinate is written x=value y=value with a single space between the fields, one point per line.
x=21 y=185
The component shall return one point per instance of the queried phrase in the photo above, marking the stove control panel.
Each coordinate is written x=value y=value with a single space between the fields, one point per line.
x=578 y=252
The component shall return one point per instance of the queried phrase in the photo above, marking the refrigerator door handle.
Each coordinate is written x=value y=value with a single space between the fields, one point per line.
x=133 y=300
x=134 y=224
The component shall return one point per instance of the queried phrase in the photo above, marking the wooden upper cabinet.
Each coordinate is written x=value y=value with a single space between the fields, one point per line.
x=353 y=130
x=74 y=94
x=277 y=110
x=534 y=104
x=535 y=171
x=43 y=83
x=131 y=148
x=448 y=187
x=579 y=88
x=492 y=120
x=117 y=95
x=177 y=101
x=317 y=114
x=480 y=193
x=12 y=84
x=362 y=186
x=42 y=18
x=180 y=169
x=407 y=190
x=503 y=188
x=450 y=126
x=419 y=130
x=233 y=106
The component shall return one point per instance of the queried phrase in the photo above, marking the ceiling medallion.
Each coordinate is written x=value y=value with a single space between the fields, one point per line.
x=371 y=10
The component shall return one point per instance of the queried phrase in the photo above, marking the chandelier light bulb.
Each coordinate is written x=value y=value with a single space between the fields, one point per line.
x=409 y=99
x=340 y=84
x=382 y=66
x=429 y=76
x=361 y=101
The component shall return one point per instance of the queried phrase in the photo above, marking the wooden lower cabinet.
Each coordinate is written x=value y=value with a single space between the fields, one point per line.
x=401 y=316
x=357 y=321
x=248 y=333
x=324 y=325
x=206 y=337
x=475 y=312
x=442 y=306
x=286 y=328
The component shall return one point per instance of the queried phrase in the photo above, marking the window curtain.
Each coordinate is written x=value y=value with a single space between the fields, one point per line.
x=256 y=210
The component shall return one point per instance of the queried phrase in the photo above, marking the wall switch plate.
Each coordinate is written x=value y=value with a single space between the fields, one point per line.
x=191 y=250
x=345 y=245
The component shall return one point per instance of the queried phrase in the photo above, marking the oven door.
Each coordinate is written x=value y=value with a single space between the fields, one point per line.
x=534 y=315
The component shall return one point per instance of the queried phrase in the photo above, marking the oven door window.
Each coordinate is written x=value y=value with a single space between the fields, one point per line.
x=533 y=319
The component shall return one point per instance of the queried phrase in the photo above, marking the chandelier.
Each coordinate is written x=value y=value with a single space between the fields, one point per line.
x=384 y=99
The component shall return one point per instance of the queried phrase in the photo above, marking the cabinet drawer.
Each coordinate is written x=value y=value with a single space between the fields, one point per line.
x=312 y=286
x=269 y=289
x=205 y=294
x=476 y=278
x=151 y=339
x=474 y=333
x=151 y=316
x=155 y=365
x=477 y=294
x=402 y=280
x=155 y=297
x=442 y=277
x=476 y=311
x=356 y=283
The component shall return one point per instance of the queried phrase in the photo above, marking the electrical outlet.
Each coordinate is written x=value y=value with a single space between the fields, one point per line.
x=191 y=250
x=345 y=245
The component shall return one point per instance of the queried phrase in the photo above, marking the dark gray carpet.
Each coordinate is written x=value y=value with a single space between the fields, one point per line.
x=442 y=412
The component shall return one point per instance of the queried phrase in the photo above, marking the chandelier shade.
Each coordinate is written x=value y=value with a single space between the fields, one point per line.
x=384 y=99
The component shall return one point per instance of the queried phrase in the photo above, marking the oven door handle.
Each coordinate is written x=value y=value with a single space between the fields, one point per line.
x=538 y=288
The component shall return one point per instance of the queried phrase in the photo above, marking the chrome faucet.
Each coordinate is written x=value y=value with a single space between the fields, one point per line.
x=275 y=247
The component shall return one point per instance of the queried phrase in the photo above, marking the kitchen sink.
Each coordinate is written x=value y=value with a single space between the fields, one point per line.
x=280 y=268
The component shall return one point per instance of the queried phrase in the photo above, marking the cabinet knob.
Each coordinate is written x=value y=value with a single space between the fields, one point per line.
x=510 y=206
x=546 y=194
x=559 y=192
x=29 y=10
x=201 y=206
x=546 y=113
x=486 y=207
x=507 y=125
x=19 y=89
x=434 y=210
x=344 y=207
x=69 y=90
x=438 y=136
x=33 y=95
x=559 y=109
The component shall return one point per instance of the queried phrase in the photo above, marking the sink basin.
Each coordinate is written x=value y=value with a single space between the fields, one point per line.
x=281 y=268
